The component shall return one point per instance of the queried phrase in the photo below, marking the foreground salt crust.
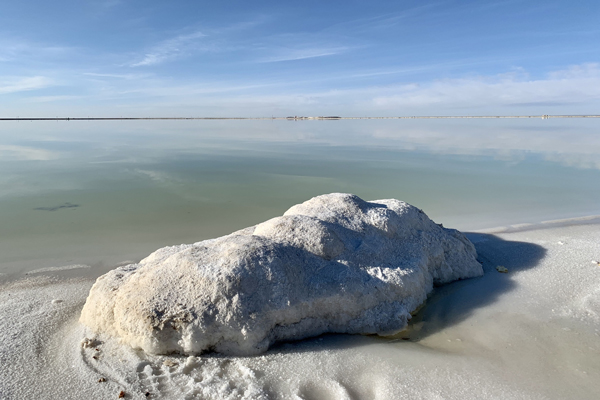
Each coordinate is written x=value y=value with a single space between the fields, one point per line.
x=335 y=263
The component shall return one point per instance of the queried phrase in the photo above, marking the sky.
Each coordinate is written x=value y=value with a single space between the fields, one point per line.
x=79 y=58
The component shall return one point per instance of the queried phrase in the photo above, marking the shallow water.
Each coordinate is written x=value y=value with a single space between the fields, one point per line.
x=101 y=193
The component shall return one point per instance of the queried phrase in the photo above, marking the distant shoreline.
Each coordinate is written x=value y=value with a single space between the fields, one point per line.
x=298 y=118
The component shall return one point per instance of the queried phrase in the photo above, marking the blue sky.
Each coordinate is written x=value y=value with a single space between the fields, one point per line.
x=263 y=58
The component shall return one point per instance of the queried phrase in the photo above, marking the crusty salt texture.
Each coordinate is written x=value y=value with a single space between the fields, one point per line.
x=335 y=263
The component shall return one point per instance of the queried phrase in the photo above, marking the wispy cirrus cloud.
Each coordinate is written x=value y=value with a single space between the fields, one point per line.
x=223 y=38
x=304 y=53
x=52 y=99
x=384 y=21
x=116 y=76
x=18 y=50
x=23 y=84
x=165 y=90
x=169 y=49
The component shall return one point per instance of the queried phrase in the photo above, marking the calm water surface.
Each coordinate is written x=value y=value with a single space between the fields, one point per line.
x=102 y=193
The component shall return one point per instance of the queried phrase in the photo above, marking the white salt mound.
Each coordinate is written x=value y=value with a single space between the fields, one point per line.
x=335 y=263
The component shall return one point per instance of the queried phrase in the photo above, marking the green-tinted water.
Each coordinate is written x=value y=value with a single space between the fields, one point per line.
x=103 y=193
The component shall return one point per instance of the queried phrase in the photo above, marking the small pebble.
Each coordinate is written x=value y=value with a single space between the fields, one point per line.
x=121 y=394
x=147 y=394
x=102 y=380
x=502 y=269
x=56 y=301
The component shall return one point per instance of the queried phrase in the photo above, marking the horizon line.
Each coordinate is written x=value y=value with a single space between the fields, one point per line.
x=296 y=118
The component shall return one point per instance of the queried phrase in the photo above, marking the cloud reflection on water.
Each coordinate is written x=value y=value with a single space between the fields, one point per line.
x=571 y=143
x=148 y=184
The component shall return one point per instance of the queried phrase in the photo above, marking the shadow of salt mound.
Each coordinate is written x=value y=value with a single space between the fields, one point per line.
x=453 y=303
x=329 y=341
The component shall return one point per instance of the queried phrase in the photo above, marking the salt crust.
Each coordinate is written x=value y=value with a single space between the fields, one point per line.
x=335 y=263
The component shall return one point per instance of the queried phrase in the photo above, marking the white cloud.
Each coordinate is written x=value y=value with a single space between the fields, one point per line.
x=21 y=84
x=576 y=84
x=169 y=50
x=583 y=71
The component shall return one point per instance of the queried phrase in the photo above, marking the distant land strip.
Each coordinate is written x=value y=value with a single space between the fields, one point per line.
x=296 y=118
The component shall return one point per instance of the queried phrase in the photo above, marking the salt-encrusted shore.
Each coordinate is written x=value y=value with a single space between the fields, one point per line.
x=532 y=332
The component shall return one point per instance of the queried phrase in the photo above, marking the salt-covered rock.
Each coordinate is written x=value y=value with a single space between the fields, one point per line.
x=335 y=263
